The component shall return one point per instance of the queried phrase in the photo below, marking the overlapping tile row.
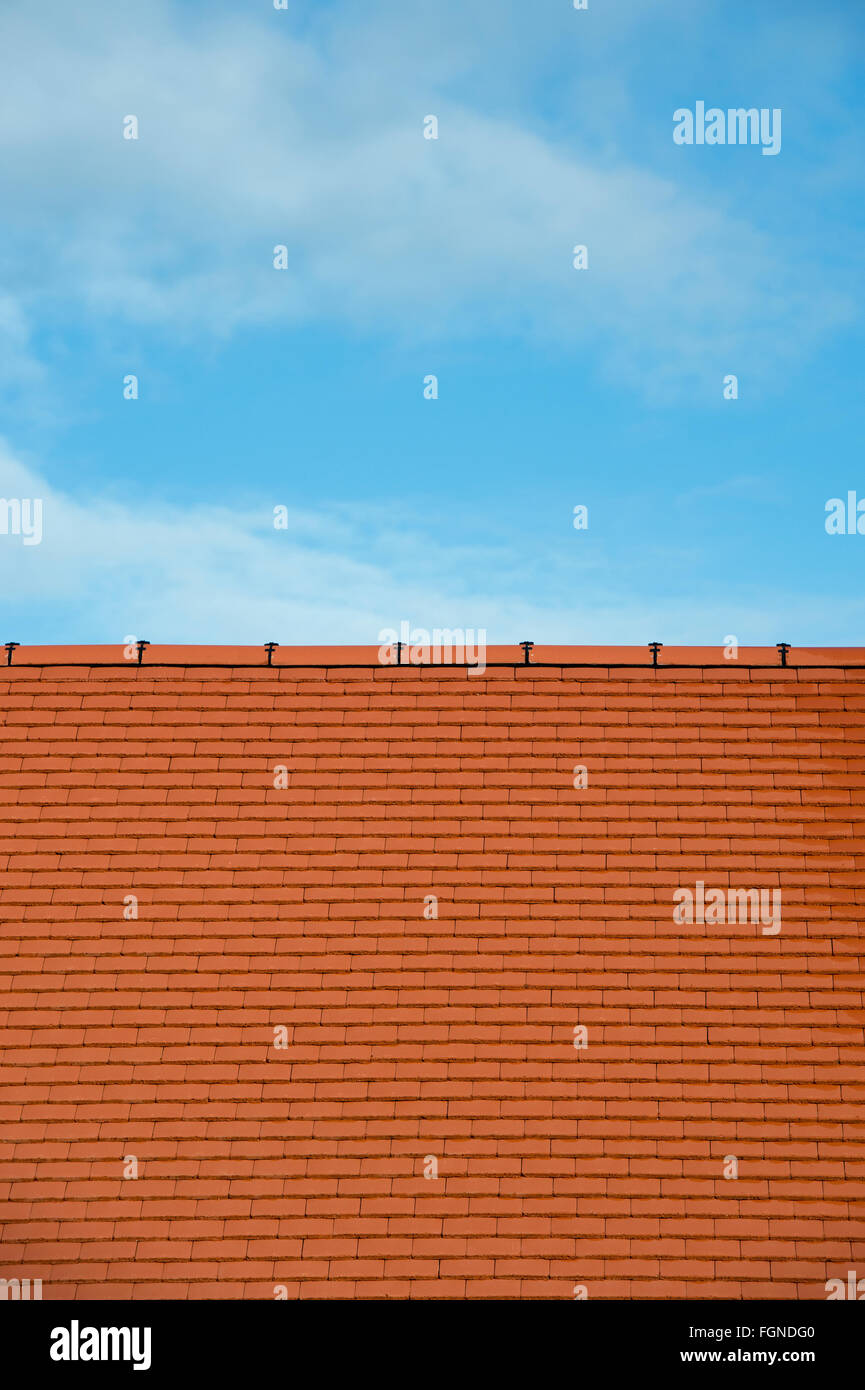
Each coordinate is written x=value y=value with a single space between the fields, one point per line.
x=296 y=901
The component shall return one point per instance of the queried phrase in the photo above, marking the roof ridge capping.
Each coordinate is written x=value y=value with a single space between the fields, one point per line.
x=471 y=656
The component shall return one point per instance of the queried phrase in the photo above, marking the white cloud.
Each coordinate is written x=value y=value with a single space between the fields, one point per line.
x=204 y=574
x=251 y=137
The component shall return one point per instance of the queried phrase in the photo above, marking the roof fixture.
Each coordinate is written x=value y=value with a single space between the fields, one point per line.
x=527 y=647
x=10 y=647
x=270 y=648
x=783 y=648
x=654 y=648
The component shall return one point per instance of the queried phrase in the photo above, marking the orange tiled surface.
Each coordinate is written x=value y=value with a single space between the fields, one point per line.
x=407 y=1037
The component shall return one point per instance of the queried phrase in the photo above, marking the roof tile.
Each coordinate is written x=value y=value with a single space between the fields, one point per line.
x=409 y=1036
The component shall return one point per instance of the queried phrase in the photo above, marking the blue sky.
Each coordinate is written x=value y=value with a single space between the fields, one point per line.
x=304 y=387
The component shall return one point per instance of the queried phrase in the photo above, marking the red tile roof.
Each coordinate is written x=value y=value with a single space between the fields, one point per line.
x=410 y=1037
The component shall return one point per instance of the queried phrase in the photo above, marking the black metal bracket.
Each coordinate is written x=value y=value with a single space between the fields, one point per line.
x=527 y=647
x=270 y=648
x=141 y=646
x=10 y=647
x=783 y=648
x=399 y=647
x=654 y=648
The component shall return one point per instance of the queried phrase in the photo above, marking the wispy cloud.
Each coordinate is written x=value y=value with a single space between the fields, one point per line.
x=252 y=137
x=107 y=568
